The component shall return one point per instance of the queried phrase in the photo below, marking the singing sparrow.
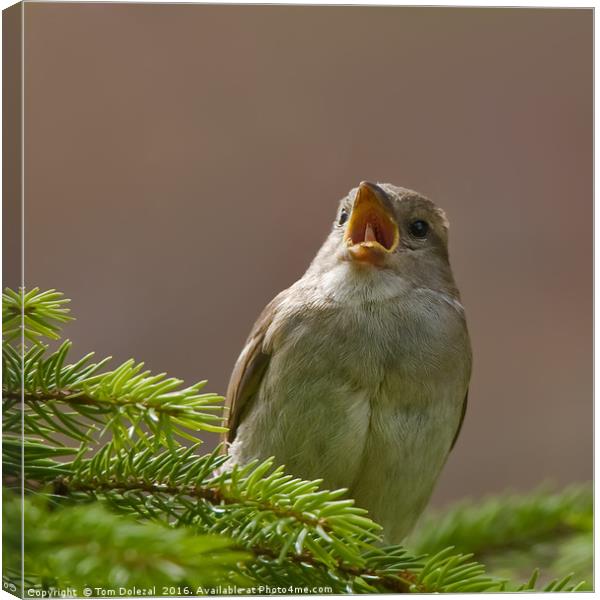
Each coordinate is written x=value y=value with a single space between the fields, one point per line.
x=358 y=373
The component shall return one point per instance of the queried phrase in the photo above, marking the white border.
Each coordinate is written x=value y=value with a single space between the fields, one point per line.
x=583 y=4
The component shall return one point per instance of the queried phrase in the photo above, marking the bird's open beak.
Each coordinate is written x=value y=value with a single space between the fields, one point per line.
x=372 y=231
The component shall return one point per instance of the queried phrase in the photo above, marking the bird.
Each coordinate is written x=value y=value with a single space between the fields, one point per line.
x=358 y=373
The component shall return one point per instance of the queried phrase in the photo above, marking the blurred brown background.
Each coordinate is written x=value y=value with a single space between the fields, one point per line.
x=183 y=165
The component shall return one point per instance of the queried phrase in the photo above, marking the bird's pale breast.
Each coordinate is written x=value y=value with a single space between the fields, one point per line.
x=366 y=395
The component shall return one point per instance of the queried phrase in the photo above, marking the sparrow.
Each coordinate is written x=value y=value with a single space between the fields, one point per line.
x=358 y=373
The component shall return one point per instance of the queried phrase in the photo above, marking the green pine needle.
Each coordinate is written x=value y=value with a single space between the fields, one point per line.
x=34 y=314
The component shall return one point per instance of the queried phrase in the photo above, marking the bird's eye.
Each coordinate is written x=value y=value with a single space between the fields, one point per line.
x=419 y=228
x=343 y=217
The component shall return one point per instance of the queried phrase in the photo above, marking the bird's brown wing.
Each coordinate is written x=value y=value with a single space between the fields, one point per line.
x=249 y=370
x=462 y=418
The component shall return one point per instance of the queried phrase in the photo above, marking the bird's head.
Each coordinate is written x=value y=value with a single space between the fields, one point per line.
x=385 y=228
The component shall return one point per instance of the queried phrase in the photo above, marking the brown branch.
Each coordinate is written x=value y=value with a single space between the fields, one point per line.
x=213 y=495
x=63 y=486
x=391 y=583
x=77 y=398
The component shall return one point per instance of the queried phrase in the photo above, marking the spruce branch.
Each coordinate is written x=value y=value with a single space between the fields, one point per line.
x=511 y=531
x=556 y=585
x=76 y=400
x=106 y=550
x=254 y=502
x=281 y=520
x=36 y=314
x=506 y=522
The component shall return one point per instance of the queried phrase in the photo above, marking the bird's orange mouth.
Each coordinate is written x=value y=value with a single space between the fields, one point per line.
x=371 y=231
